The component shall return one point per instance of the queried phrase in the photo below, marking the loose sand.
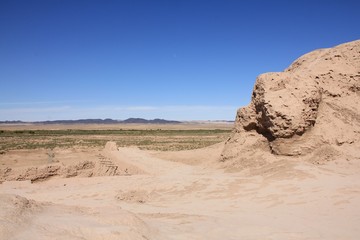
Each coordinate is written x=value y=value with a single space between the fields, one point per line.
x=189 y=199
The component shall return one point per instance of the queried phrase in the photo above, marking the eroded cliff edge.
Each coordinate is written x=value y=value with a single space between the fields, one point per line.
x=311 y=110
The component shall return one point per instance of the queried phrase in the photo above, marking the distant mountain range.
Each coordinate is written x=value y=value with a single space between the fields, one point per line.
x=97 y=121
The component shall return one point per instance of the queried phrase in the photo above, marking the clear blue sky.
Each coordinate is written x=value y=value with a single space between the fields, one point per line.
x=183 y=60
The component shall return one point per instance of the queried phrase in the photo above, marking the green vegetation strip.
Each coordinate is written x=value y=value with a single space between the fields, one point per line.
x=157 y=132
x=159 y=139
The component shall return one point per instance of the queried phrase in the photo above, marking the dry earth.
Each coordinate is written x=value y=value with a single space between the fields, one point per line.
x=189 y=197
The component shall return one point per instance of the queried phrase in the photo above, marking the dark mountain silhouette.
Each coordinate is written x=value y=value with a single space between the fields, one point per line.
x=154 y=121
x=97 y=121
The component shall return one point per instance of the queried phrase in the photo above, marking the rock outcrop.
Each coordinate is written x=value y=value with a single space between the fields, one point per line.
x=312 y=109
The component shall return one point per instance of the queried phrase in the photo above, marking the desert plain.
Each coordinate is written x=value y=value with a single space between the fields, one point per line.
x=287 y=169
x=112 y=192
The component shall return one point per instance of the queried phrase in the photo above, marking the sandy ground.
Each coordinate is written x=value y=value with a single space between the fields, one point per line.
x=182 y=195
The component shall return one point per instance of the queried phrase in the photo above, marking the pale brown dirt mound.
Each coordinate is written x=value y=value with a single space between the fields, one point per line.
x=22 y=218
x=100 y=163
x=15 y=211
x=311 y=110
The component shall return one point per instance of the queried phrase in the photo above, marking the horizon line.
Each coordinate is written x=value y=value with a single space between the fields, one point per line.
x=119 y=120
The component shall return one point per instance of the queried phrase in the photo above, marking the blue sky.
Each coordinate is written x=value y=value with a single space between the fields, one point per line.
x=182 y=60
